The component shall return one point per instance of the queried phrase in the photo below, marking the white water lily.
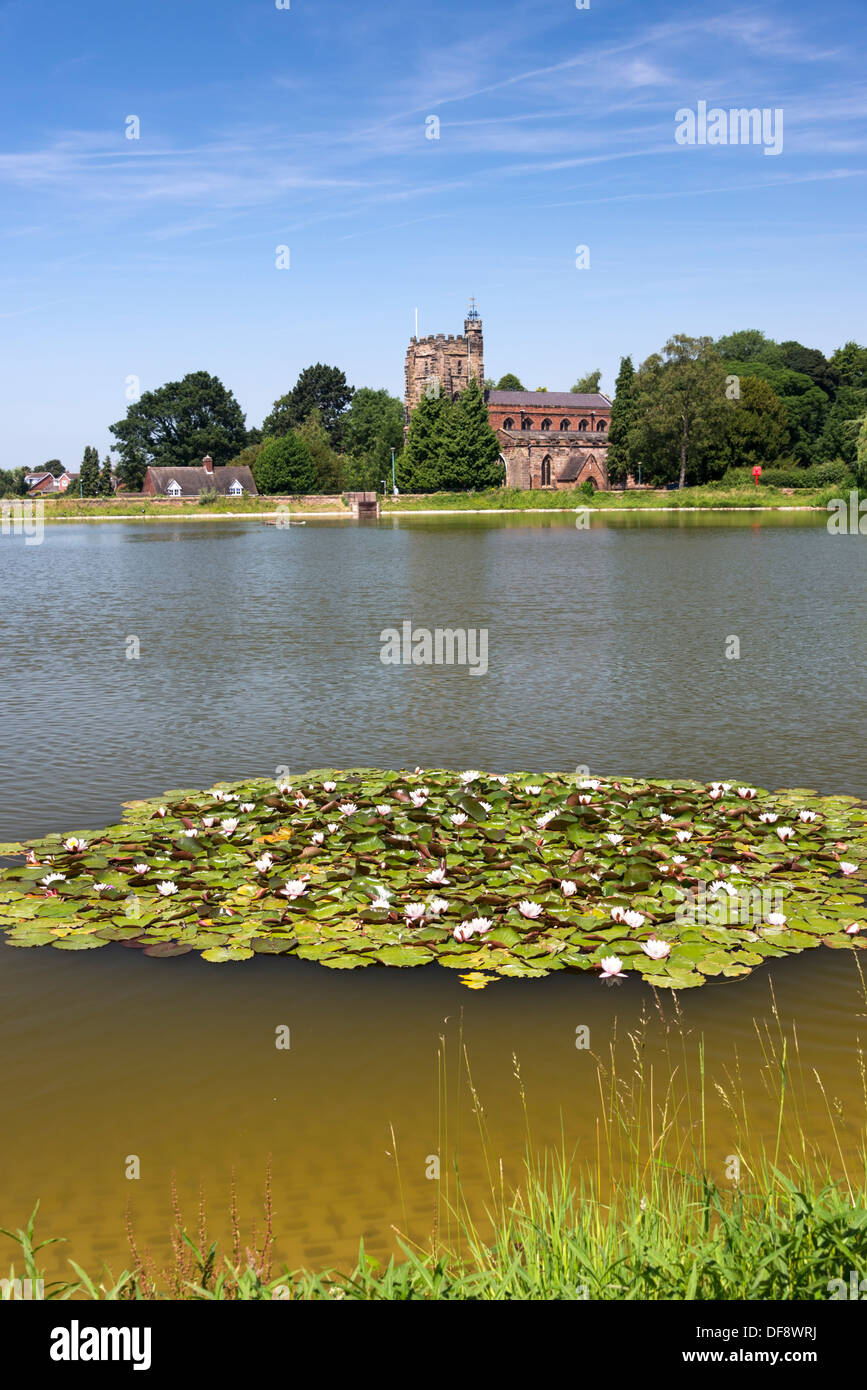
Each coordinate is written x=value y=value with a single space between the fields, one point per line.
x=853 y=928
x=847 y=868
x=208 y=821
x=747 y=793
x=530 y=909
x=102 y=887
x=302 y=802
x=247 y=807
x=500 y=777
x=329 y=786
x=534 y=791
x=476 y=927
x=618 y=914
x=192 y=832
x=683 y=835
x=436 y=876
x=332 y=826
x=229 y=826
x=715 y=793
x=568 y=887
x=381 y=902
x=665 y=818
x=589 y=784
x=139 y=868
x=719 y=885
x=806 y=815
x=318 y=837
x=347 y=808
x=611 y=966
x=785 y=832
x=459 y=818
x=486 y=806
x=264 y=862
x=414 y=912
x=437 y=906
x=52 y=878
x=384 y=809
x=613 y=837
x=634 y=919
x=162 y=811
x=543 y=820
x=294 y=888
x=420 y=796
x=585 y=799
x=166 y=888
x=74 y=844
x=284 y=788
x=656 y=949
x=776 y=919
x=472 y=775
x=678 y=858
x=768 y=817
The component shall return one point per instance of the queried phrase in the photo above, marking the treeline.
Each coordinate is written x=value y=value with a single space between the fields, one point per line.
x=702 y=409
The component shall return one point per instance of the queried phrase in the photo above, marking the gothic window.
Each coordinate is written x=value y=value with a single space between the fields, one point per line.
x=508 y=423
x=582 y=424
x=564 y=424
x=460 y=364
x=526 y=423
x=546 y=471
x=546 y=424
x=600 y=424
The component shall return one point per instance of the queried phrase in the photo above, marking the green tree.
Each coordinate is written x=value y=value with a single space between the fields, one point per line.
x=850 y=364
x=758 y=430
x=417 y=469
x=373 y=427
x=104 y=486
x=588 y=384
x=12 y=482
x=54 y=467
x=88 y=474
x=839 y=437
x=284 y=465
x=749 y=345
x=680 y=421
x=247 y=456
x=861 y=456
x=469 y=452
x=510 y=382
x=812 y=363
x=319 y=388
x=328 y=463
x=623 y=417
x=176 y=425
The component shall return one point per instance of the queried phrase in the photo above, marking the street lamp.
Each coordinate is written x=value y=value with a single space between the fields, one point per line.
x=393 y=477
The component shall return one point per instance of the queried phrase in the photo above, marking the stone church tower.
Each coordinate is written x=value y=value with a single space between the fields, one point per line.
x=444 y=364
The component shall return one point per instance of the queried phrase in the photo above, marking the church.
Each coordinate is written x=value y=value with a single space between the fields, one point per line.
x=548 y=439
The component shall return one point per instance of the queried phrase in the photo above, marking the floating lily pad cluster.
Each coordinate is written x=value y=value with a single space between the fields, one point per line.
x=489 y=874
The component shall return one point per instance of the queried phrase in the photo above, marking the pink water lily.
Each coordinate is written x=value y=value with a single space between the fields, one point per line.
x=437 y=876
x=613 y=837
x=229 y=826
x=853 y=928
x=208 y=821
x=785 y=832
x=476 y=927
x=347 y=808
x=806 y=815
x=139 y=868
x=611 y=966
x=419 y=797
x=847 y=868
x=768 y=817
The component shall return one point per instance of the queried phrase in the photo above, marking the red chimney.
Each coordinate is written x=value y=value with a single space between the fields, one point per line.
x=208 y=463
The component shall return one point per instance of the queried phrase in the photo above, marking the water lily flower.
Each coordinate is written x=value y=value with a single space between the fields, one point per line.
x=332 y=826
x=719 y=885
x=664 y=868
x=31 y=857
x=384 y=809
x=776 y=919
x=166 y=888
x=534 y=791
x=618 y=914
x=589 y=784
x=436 y=906
x=531 y=910
x=585 y=799
x=656 y=949
x=665 y=818
x=139 y=868
x=500 y=777
x=568 y=887
x=208 y=821
x=74 y=844
x=806 y=815
x=611 y=966
x=715 y=793
x=230 y=825
x=247 y=806
x=678 y=858
x=414 y=912
x=264 y=862
x=318 y=837
x=614 y=838
x=847 y=868
x=162 y=811
x=52 y=878
x=768 y=817
x=459 y=818
x=683 y=835
x=347 y=808
x=284 y=788
x=329 y=786
x=437 y=876
x=472 y=775
x=420 y=796
x=301 y=801
x=294 y=888
x=543 y=820
x=747 y=793
x=634 y=919
x=486 y=806
x=853 y=928
x=102 y=887
x=476 y=927
x=785 y=832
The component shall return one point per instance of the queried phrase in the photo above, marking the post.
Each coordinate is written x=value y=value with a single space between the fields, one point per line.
x=393 y=477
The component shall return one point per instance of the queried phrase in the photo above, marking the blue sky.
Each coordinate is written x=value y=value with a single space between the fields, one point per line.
x=306 y=127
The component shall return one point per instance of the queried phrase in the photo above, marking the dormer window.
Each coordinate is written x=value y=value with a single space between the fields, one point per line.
x=235 y=488
x=173 y=489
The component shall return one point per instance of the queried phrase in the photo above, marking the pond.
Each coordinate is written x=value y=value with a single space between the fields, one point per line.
x=144 y=656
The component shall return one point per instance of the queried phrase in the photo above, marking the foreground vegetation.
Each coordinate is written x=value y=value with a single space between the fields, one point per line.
x=489 y=874
x=647 y=1214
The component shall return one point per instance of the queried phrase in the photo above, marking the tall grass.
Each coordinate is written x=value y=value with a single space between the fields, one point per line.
x=648 y=1213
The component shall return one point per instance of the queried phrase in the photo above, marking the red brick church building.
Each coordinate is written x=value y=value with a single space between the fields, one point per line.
x=548 y=439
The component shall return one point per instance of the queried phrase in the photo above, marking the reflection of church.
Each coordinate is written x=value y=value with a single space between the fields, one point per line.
x=550 y=439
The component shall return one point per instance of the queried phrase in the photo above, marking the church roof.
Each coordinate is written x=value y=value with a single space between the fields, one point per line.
x=556 y=400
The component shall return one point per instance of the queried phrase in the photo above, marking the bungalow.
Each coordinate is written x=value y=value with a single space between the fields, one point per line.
x=39 y=483
x=190 y=482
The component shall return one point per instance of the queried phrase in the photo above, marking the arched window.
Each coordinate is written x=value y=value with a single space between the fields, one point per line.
x=546 y=424
x=582 y=424
x=526 y=423
x=508 y=423
x=546 y=471
x=564 y=424
x=600 y=424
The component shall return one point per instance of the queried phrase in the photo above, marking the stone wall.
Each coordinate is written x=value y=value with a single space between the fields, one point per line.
x=443 y=364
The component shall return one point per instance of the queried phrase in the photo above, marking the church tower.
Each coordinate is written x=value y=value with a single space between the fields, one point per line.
x=440 y=364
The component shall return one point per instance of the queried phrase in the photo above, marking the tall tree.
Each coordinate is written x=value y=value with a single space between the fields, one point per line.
x=54 y=467
x=327 y=462
x=319 y=388
x=469 y=453
x=284 y=465
x=588 y=384
x=510 y=382
x=418 y=465
x=105 y=487
x=373 y=427
x=623 y=413
x=758 y=430
x=850 y=364
x=680 y=419
x=861 y=456
x=177 y=425
x=88 y=474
